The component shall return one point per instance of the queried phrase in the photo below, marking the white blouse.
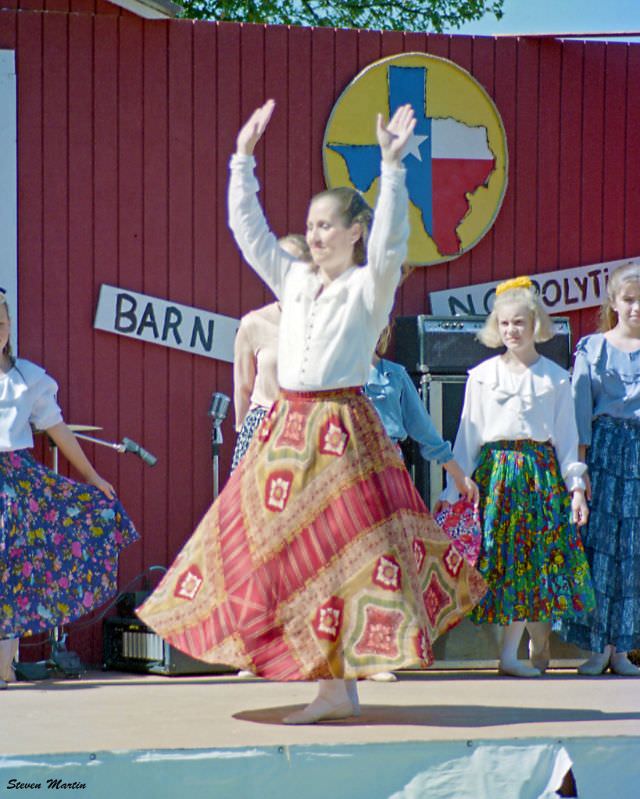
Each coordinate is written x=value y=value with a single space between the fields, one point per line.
x=327 y=334
x=27 y=397
x=502 y=404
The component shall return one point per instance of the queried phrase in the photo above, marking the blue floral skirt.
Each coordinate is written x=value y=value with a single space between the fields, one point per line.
x=249 y=426
x=612 y=537
x=59 y=546
x=531 y=554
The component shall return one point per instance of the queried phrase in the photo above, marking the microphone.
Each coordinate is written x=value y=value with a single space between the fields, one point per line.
x=130 y=446
x=218 y=408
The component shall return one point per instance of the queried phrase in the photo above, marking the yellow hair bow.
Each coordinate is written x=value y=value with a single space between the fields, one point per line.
x=522 y=282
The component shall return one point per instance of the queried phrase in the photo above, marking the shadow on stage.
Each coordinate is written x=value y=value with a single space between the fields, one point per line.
x=474 y=716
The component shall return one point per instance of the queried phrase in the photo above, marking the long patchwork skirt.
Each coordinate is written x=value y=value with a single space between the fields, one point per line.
x=59 y=546
x=318 y=559
x=612 y=538
x=531 y=554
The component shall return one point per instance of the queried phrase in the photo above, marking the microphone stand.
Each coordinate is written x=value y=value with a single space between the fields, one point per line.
x=217 y=411
x=216 y=443
x=126 y=445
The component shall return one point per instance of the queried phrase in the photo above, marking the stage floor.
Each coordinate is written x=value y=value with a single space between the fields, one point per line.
x=109 y=711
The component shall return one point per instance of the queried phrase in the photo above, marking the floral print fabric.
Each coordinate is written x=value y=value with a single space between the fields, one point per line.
x=59 y=546
x=531 y=555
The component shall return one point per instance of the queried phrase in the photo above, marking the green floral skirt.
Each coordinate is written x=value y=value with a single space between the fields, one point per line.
x=531 y=555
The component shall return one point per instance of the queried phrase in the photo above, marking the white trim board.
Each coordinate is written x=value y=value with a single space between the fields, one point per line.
x=9 y=186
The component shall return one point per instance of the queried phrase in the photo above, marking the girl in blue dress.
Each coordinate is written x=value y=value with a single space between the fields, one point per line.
x=59 y=540
x=606 y=388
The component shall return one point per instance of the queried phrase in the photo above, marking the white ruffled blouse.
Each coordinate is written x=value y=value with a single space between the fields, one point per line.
x=502 y=404
x=27 y=397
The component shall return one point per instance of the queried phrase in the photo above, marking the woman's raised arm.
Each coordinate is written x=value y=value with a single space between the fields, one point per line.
x=251 y=132
x=257 y=243
x=387 y=246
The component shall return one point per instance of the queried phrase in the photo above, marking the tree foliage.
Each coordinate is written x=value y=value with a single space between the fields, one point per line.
x=432 y=16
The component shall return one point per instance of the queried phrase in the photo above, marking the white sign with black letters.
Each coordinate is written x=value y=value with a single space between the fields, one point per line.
x=169 y=324
x=564 y=290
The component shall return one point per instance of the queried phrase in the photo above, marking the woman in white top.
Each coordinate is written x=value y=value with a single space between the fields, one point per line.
x=59 y=540
x=519 y=439
x=319 y=561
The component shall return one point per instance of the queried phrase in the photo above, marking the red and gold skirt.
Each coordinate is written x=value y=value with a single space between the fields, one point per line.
x=319 y=559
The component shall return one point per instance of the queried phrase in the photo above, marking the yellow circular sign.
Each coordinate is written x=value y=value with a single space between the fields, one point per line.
x=456 y=161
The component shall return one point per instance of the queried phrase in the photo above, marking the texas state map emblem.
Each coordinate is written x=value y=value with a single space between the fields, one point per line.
x=456 y=160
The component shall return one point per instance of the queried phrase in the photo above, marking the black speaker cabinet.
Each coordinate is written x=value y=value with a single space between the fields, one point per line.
x=447 y=345
x=130 y=646
x=443 y=397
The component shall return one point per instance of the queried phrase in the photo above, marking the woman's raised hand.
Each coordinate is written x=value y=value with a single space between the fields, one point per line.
x=393 y=137
x=252 y=130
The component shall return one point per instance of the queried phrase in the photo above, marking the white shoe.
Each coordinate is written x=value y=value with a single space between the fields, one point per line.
x=383 y=676
x=320 y=710
x=9 y=675
x=621 y=665
x=518 y=669
x=8 y=652
x=245 y=674
x=597 y=664
x=540 y=660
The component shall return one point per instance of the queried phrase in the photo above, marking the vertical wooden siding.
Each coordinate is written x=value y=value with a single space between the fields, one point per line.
x=125 y=128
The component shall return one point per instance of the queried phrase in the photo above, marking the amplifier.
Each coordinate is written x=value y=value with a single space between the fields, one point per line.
x=447 y=345
x=129 y=645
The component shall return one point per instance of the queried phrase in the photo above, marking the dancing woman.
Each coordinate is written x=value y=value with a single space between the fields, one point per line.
x=319 y=561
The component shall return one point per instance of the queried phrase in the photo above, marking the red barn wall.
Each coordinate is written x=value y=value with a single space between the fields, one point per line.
x=125 y=127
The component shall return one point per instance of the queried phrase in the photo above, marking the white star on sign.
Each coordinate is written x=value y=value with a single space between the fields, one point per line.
x=412 y=147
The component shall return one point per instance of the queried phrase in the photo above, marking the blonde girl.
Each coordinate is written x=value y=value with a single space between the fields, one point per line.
x=518 y=438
